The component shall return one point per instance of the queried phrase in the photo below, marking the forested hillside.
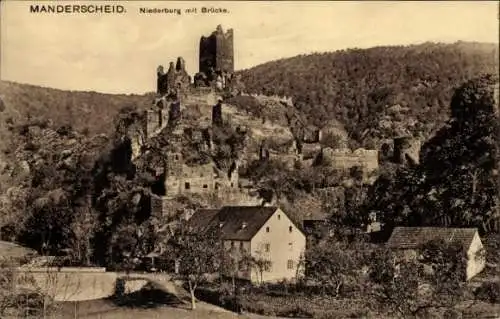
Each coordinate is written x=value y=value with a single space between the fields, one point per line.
x=456 y=182
x=377 y=92
x=90 y=112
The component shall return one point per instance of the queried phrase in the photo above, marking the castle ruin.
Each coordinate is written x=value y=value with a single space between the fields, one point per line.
x=175 y=78
x=176 y=94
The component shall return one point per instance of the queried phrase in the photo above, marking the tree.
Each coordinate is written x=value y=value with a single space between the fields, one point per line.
x=396 y=283
x=260 y=264
x=456 y=182
x=198 y=255
x=18 y=301
x=331 y=265
x=235 y=264
x=410 y=287
x=83 y=229
x=7 y=287
x=360 y=88
x=448 y=261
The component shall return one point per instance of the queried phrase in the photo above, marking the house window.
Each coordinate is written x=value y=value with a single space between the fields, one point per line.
x=241 y=245
x=289 y=264
x=176 y=157
x=205 y=186
x=279 y=216
x=290 y=229
x=232 y=184
x=187 y=186
x=232 y=244
x=267 y=229
x=267 y=247
x=290 y=245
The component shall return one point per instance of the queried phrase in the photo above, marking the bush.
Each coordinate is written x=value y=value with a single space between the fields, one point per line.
x=247 y=103
x=489 y=292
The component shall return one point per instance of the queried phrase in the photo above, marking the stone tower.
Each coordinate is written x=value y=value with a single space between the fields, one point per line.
x=216 y=52
x=406 y=149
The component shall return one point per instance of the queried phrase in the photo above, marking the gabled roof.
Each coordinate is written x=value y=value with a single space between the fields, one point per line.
x=232 y=219
x=202 y=219
x=415 y=237
x=234 y=222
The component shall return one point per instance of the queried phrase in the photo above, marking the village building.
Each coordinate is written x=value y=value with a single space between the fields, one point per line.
x=409 y=240
x=264 y=232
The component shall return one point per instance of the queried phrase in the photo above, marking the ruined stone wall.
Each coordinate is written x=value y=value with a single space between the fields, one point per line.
x=217 y=52
x=309 y=150
x=151 y=123
x=217 y=114
x=289 y=160
x=196 y=179
x=406 y=147
x=137 y=140
x=155 y=120
x=200 y=96
x=159 y=206
x=203 y=179
x=225 y=51
x=345 y=159
x=239 y=197
x=174 y=164
x=175 y=77
x=262 y=98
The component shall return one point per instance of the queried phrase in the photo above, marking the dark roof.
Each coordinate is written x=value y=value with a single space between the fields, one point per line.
x=414 y=237
x=233 y=217
x=234 y=222
x=201 y=219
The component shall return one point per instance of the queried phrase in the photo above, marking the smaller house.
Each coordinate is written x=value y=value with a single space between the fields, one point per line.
x=410 y=239
x=316 y=225
x=265 y=233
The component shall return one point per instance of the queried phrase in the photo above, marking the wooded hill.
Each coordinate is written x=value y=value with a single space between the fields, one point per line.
x=378 y=92
x=62 y=188
x=87 y=112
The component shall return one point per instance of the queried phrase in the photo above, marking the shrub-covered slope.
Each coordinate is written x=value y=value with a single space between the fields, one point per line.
x=85 y=111
x=376 y=92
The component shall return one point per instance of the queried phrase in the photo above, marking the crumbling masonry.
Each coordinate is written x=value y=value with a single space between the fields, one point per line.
x=217 y=52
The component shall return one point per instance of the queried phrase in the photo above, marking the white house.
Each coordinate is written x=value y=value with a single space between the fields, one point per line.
x=266 y=233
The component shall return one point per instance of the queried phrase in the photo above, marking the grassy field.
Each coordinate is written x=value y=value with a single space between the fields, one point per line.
x=107 y=309
x=161 y=298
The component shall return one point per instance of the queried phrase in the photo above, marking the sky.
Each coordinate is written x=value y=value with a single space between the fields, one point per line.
x=119 y=53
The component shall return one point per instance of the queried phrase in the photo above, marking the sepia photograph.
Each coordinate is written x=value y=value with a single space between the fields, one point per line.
x=249 y=159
